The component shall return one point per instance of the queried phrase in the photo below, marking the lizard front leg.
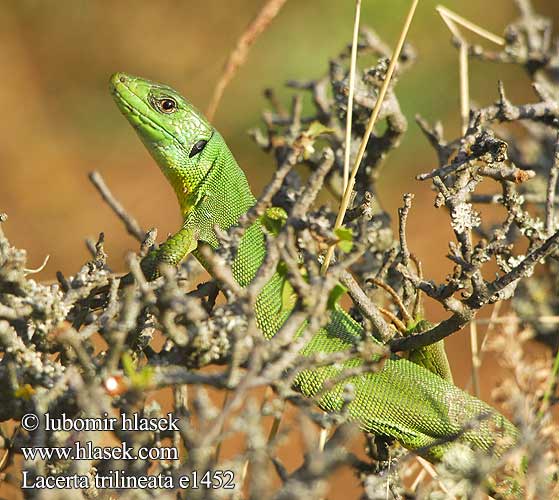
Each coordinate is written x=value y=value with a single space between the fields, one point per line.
x=172 y=252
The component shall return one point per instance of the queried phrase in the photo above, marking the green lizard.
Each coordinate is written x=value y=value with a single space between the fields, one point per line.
x=404 y=400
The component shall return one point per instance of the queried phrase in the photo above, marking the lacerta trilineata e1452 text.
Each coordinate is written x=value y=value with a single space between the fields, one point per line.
x=403 y=400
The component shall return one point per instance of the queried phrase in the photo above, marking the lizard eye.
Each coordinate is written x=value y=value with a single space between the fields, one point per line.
x=167 y=105
x=197 y=148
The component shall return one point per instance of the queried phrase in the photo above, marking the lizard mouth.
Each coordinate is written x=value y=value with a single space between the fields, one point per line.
x=136 y=109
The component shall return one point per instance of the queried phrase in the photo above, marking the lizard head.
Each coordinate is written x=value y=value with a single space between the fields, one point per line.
x=174 y=131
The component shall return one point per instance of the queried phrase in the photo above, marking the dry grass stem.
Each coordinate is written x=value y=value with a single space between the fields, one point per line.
x=464 y=86
x=353 y=64
x=476 y=362
x=448 y=15
x=239 y=54
x=371 y=124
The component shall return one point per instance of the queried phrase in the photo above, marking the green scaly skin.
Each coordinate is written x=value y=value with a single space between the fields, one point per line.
x=433 y=357
x=404 y=400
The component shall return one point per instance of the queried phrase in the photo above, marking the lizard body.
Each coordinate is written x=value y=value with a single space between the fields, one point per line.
x=404 y=400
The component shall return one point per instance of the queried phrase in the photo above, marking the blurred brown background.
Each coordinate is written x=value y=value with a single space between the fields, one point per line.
x=59 y=122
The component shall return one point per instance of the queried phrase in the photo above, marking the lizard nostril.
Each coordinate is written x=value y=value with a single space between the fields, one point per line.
x=122 y=79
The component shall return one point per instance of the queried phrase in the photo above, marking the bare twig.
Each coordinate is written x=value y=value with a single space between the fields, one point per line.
x=130 y=222
x=551 y=189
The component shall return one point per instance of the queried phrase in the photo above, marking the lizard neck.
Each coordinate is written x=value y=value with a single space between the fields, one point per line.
x=221 y=197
